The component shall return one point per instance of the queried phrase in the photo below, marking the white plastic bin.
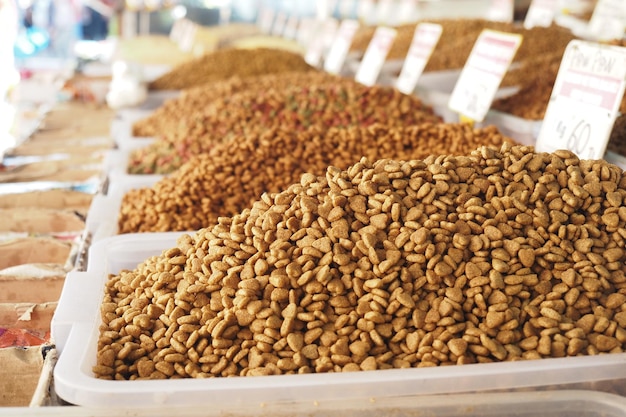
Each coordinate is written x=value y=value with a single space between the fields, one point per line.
x=522 y=404
x=75 y=330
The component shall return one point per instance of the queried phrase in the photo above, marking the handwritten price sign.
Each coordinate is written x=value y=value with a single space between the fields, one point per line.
x=375 y=55
x=482 y=74
x=541 y=13
x=424 y=40
x=585 y=100
x=341 y=45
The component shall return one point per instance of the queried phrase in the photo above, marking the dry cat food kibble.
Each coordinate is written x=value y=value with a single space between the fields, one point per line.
x=226 y=63
x=193 y=100
x=327 y=104
x=495 y=256
x=233 y=175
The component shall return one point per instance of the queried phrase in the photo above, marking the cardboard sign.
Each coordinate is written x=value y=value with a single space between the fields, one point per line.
x=341 y=45
x=608 y=20
x=501 y=10
x=422 y=46
x=541 y=13
x=585 y=100
x=482 y=74
x=375 y=55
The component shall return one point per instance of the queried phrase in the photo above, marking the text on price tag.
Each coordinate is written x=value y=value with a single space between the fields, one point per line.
x=585 y=100
x=422 y=46
x=541 y=13
x=375 y=55
x=341 y=45
x=608 y=20
x=482 y=74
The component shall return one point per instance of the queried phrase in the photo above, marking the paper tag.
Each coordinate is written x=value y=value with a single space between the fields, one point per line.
x=177 y=30
x=306 y=30
x=501 y=10
x=406 y=13
x=585 y=100
x=291 y=28
x=279 y=24
x=340 y=47
x=608 y=20
x=422 y=46
x=346 y=9
x=541 y=13
x=189 y=35
x=375 y=55
x=383 y=12
x=483 y=72
x=266 y=19
x=365 y=11
x=317 y=44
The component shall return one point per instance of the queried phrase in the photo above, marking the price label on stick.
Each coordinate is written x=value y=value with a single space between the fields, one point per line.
x=266 y=19
x=340 y=47
x=585 y=100
x=383 y=12
x=291 y=28
x=279 y=24
x=306 y=30
x=541 y=13
x=424 y=41
x=318 y=41
x=501 y=10
x=406 y=12
x=482 y=74
x=608 y=20
x=365 y=11
x=375 y=55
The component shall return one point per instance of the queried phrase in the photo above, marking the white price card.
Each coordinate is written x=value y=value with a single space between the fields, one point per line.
x=306 y=30
x=347 y=8
x=608 y=20
x=501 y=10
x=482 y=74
x=384 y=9
x=422 y=46
x=407 y=12
x=366 y=11
x=541 y=13
x=279 y=24
x=323 y=32
x=340 y=47
x=585 y=100
x=177 y=31
x=188 y=37
x=291 y=28
x=266 y=19
x=375 y=55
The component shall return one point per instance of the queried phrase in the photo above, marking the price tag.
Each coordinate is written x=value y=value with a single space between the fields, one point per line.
x=280 y=21
x=346 y=8
x=422 y=46
x=608 y=20
x=340 y=47
x=383 y=12
x=406 y=12
x=482 y=74
x=375 y=55
x=501 y=10
x=329 y=32
x=585 y=100
x=188 y=37
x=318 y=41
x=266 y=19
x=541 y=13
x=291 y=28
x=305 y=31
x=177 y=31
x=365 y=11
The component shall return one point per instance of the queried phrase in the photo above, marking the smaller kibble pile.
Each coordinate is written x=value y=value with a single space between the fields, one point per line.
x=225 y=63
x=494 y=256
x=234 y=175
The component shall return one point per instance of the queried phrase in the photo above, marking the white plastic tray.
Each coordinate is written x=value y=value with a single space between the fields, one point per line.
x=522 y=404
x=75 y=330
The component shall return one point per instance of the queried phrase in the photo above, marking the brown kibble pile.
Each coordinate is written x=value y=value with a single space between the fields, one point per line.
x=495 y=256
x=617 y=140
x=193 y=100
x=233 y=175
x=226 y=63
x=328 y=104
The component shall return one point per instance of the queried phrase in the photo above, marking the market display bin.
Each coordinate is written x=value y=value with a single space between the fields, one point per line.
x=521 y=404
x=523 y=131
x=75 y=330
